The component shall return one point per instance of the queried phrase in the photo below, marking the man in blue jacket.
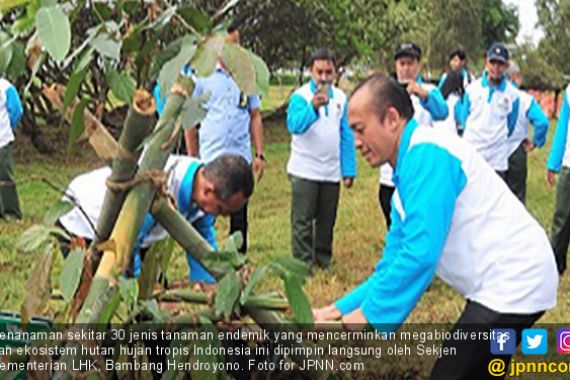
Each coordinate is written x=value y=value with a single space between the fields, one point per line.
x=322 y=155
x=559 y=162
x=452 y=216
x=201 y=192
x=10 y=114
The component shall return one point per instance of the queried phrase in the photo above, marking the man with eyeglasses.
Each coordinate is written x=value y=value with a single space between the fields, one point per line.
x=429 y=106
x=489 y=110
x=322 y=155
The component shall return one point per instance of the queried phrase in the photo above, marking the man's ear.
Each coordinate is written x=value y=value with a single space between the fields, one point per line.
x=392 y=119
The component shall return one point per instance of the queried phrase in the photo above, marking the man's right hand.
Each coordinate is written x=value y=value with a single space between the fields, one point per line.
x=550 y=178
x=329 y=313
x=319 y=99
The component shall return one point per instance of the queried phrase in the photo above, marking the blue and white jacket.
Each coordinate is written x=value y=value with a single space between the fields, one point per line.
x=322 y=145
x=489 y=115
x=529 y=112
x=426 y=112
x=454 y=217
x=10 y=111
x=89 y=191
x=560 y=149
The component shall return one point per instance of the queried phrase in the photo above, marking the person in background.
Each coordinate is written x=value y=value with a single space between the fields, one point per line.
x=10 y=114
x=519 y=145
x=322 y=156
x=429 y=106
x=559 y=163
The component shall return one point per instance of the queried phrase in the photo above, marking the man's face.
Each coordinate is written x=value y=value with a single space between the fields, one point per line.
x=407 y=68
x=455 y=63
x=495 y=69
x=375 y=139
x=211 y=203
x=322 y=71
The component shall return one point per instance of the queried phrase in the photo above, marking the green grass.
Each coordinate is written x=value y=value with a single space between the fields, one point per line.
x=359 y=231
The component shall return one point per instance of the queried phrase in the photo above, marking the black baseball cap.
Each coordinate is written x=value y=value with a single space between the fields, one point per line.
x=408 y=49
x=498 y=52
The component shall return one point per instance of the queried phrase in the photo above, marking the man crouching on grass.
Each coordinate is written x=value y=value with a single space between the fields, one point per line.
x=451 y=215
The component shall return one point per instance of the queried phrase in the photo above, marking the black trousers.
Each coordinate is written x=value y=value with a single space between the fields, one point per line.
x=473 y=356
x=385 y=195
x=238 y=222
x=517 y=173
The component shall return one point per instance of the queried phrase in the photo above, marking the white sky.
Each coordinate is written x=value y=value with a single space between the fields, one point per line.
x=528 y=20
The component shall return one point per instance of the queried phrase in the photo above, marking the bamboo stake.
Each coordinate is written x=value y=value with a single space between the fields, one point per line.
x=253 y=301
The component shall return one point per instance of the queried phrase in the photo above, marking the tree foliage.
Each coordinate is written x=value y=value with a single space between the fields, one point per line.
x=554 y=18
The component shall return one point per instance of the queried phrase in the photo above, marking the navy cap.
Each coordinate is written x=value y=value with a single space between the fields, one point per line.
x=498 y=52
x=408 y=49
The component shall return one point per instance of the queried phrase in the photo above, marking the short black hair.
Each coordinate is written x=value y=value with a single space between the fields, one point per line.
x=230 y=174
x=386 y=93
x=459 y=52
x=322 y=54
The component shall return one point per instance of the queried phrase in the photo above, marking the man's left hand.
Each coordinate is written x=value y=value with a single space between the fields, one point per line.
x=348 y=182
x=528 y=145
x=258 y=167
x=415 y=89
x=355 y=321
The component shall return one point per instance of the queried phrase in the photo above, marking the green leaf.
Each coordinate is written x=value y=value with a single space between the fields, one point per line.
x=162 y=20
x=207 y=55
x=61 y=207
x=298 y=300
x=227 y=295
x=77 y=125
x=238 y=62
x=6 y=5
x=207 y=326
x=85 y=59
x=103 y=40
x=295 y=266
x=122 y=85
x=17 y=66
x=151 y=307
x=193 y=111
x=171 y=69
x=262 y=75
x=33 y=237
x=149 y=272
x=168 y=245
x=73 y=86
x=37 y=286
x=255 y=277
x=194 y=17
x=70 y=275
x=129 y=290
x=5 y=52
x=54 y=31
x=234 y=242
x=177 y=356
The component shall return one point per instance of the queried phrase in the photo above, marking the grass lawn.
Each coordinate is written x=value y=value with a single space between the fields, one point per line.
x=359 y=232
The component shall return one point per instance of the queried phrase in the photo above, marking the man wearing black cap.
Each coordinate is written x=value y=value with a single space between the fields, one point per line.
x=489 y=110
x=429 y=106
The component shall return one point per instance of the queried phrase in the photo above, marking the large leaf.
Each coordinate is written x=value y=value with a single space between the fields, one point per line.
x=149 y=272
x=73 y=86
x=262 y=74
x=228 y=293
x=293 y=266
x=61 y=207
x=238 y=62
x=5 y=52
x=122 y=85
x=196 y=18
x=104 y=40
x=71 y=273
x=206 y=326
x=234 y=242
x=54 y=31
x=255 y=278
x=37 y=285
x=298 y=300
x=171 y=69
x=77 y=122
x=193 y=111
x=207 y=55
x=6 y=5
x=129 y=290
x=17 y=66
x=33 y=238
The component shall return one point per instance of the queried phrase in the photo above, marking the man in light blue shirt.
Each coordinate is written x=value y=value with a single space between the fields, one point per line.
x=10 y=114
x=232 y=122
